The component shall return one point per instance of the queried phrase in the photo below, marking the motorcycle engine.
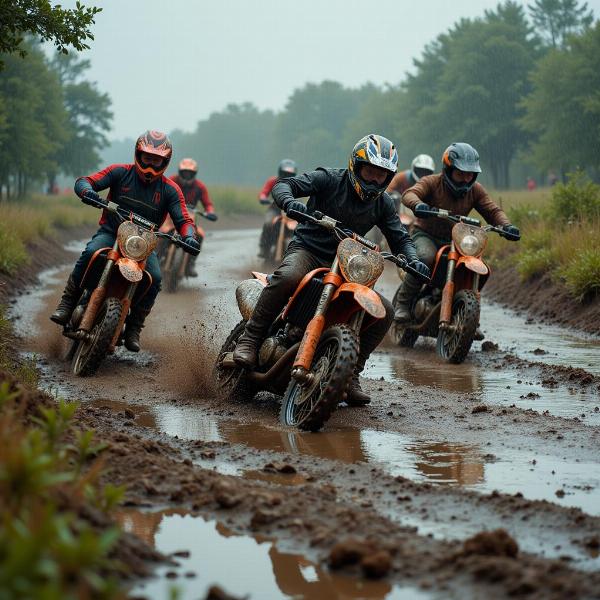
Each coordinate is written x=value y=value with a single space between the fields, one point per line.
x=271 y=351
x=423 y=307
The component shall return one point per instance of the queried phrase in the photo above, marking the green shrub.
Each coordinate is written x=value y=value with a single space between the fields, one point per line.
x=581 y=274
x=524 y=214
x=576 y=200
x=532 y=263
x=234 y=200
x=12 y=250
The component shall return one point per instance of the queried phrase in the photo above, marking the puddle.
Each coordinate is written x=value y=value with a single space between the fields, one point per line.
x=420 y=367
x=262 y=570
x=440 y=463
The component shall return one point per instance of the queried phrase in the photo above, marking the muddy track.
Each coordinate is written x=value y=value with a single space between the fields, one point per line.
x=498 y=443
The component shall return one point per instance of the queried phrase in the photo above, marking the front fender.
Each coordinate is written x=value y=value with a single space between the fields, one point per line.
x=474 y=264
x=364 y=296
x=130 y=269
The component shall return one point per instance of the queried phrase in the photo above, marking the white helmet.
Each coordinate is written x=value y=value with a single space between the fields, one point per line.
x=422 y=165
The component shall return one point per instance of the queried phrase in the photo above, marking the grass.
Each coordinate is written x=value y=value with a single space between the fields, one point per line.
x=234 y=200
x=560 y=229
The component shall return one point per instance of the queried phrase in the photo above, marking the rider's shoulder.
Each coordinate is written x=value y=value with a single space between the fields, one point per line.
x=119 y=168
x=170 y=185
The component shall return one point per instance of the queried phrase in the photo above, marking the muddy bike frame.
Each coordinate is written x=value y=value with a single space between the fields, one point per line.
x=285 y=225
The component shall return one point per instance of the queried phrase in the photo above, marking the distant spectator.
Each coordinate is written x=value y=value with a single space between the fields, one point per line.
x=531 y=184
x=552 y=178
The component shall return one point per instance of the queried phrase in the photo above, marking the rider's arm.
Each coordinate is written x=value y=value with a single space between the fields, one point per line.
x=205 y=197
x=395 y=233
x=420 y=192
x=178 y=210
x=307 y=184
x=487 y=208
x=398 y=183
x=100 y=180
x=267 y=188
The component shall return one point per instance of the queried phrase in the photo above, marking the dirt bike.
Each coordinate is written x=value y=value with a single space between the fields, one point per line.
x=173 y=260
x=114 y=280
x=311 y=349
x=448 y=307
x=286 y=227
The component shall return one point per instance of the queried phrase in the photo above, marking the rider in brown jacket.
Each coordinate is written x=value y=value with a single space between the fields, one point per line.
x=455 y=190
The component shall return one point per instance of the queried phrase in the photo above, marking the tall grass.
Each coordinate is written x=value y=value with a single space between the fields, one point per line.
x=234 y=200
x=560 y=231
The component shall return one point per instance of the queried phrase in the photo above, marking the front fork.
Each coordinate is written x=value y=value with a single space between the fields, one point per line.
x=314 y=329
x=448 y=291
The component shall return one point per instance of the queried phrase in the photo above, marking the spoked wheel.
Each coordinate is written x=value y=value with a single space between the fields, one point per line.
x=454 y=343
x=401 y=336
x=308 y=406
x=91 y=352
x=232 y=383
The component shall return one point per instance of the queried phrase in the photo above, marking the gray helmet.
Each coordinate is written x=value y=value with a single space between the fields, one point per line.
x=464 y=157
x=286 y=168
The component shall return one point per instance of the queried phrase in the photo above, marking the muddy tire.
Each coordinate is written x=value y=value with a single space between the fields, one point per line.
x=454 y=345
x=232 y=383
x=89 y=354
x=171 y=277
x=309 y=407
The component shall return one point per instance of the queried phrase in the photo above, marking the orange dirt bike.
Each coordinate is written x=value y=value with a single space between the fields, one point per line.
x=114 y=280
x=173 y=260
x=448 y=307
x=285 y=231
x=311 y=349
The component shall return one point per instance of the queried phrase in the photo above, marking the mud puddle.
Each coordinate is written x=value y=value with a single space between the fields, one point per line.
x=207 y=551
x=548 y=477
x=504 y=387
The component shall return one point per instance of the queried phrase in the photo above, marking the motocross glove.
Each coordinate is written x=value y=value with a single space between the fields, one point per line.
x=92 y=198
x=295 y=205
x=211 y=216
x=420 y=268
x=422 y=210
x=511 y=232
x=264 y=201
x=193 y=245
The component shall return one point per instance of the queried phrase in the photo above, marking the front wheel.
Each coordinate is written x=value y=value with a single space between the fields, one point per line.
x=454 y=343
x=171 y=276
x=91 y=352
x=308 y=406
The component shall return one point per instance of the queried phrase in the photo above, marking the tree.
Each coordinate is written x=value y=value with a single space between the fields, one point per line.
x=89 y=118
x=65 y=27
x=563 y=113
x=558 y=19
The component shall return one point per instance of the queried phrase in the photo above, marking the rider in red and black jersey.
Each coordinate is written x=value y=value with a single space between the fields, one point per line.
x=142 y=188
x=268 y=236
x=194 y=191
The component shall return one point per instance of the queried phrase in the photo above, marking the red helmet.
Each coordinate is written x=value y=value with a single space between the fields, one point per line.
x=158 y=144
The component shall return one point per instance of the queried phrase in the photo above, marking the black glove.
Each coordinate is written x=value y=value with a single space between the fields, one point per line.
x=92 y=198
x=420 y=268
x=295 y=205
x=511 y=233
x=265 y=201
x=211 y=216
x=421 y=210
x=193 y=245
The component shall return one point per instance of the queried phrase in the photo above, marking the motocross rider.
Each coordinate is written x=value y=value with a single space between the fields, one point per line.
x=286 y=168
x=455 y=190
x=421 y=166
x=194 y=191
x=143 y=188
x=356 y=197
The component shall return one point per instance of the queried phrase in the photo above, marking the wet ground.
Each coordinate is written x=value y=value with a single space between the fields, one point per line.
x=508 y=439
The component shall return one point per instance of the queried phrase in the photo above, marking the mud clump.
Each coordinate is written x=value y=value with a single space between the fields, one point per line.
x=491 y=543
x=374 y=562
x=277 y=467
x=217 y=593
x=480 y=408
x=488 y=346
x=227 y=494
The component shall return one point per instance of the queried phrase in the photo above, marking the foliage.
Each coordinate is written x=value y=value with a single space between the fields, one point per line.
x=558 y=19
x=48 y=549
x=65 y=27
x=582 y=274
x=578 y=199
x=233 y=200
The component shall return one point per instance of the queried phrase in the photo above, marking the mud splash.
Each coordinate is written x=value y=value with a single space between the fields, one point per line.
x=206 y=551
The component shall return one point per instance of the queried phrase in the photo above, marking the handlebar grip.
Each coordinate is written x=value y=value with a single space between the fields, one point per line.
x=470 y=221
x=425 y=213
x=300 y=216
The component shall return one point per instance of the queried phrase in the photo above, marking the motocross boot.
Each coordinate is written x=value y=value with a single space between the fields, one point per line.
x=246 y=350
x=410 y=288
x=133 y=328
x=356 y=396
x=67 y=303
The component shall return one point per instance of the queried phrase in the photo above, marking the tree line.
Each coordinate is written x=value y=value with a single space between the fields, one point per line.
x=520 y=84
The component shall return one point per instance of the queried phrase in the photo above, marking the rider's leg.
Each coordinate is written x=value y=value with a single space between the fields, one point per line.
x=427 y=248
x=72 y=292
x=296 y=263
x=190 y=270
x=137 y=316
x=370 y=338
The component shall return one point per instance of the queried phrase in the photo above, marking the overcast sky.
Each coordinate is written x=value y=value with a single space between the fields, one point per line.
x=167 y=65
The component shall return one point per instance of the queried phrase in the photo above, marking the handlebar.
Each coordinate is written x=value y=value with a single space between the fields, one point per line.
x=318 y=218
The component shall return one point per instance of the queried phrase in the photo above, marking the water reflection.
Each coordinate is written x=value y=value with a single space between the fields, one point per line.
x=261 y=569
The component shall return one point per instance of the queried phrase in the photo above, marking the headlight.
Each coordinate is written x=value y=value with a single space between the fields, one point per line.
x=469 y=240
x=358 y=263
x=135 y=247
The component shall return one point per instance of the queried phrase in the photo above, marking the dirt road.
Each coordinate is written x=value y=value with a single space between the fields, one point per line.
x=509 y=440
